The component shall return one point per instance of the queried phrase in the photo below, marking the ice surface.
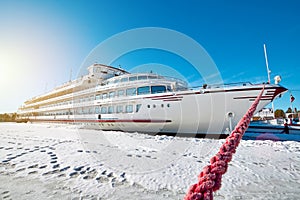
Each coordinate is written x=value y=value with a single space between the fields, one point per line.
x=48 y=161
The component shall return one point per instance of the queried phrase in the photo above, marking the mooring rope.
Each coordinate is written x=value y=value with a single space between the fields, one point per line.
x=209 y=180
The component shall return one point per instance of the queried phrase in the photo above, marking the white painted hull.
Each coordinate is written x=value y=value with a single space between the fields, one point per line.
x=185 y=112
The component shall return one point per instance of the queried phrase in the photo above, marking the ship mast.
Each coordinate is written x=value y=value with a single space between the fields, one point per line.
x=269 y=72
x=267 y=64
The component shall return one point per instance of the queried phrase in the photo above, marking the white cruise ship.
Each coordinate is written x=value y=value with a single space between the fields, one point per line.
x=109 y=98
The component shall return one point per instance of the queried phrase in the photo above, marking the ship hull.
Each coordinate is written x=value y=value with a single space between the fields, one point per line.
x=206 y=111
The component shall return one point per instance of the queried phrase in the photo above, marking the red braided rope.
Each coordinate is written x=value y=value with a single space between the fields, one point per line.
x=209 y=180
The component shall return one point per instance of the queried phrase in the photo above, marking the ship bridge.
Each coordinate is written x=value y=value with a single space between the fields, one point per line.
x=104 y=72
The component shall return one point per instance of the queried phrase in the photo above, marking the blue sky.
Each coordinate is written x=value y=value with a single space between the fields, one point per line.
x=42 y=41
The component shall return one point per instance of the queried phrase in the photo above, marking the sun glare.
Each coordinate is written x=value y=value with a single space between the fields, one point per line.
x=10 y=66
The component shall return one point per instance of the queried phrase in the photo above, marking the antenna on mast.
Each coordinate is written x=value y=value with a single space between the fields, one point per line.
x=70 y=75
x=267 y=64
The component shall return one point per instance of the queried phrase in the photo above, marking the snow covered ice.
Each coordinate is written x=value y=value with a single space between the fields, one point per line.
x=49 y=161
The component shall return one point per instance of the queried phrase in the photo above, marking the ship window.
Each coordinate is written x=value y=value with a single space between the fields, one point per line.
x=168 y=105
x=143 y=90
x=152 y=77
x=104 y=96
x=117 y=80
x=91 y=111
x=119 y=109
x=133 y=78
x=158 y=89
x=169 y=89
x=98 y=96
x=129 y=108
x=121 y=93
x=142 y=77
x=110 y=109
x=124 y=79
x=138 y=106
x=131 y=92
x=112 y=94
x=103 y=110
x=97 y=110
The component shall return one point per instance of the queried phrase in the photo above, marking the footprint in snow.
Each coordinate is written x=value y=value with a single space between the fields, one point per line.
x=73 y=174
x=102 y=179
x=61 y=175
x=82 y=172
x=78 y=168
x=32 y=172
x=21 y=169
x=43 y=166
x=64 y=169
x=51 y=172
x=5 y=195
x=33 y=166
x=55 y=166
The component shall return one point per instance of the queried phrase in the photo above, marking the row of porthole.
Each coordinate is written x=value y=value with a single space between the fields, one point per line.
x=162 y=105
